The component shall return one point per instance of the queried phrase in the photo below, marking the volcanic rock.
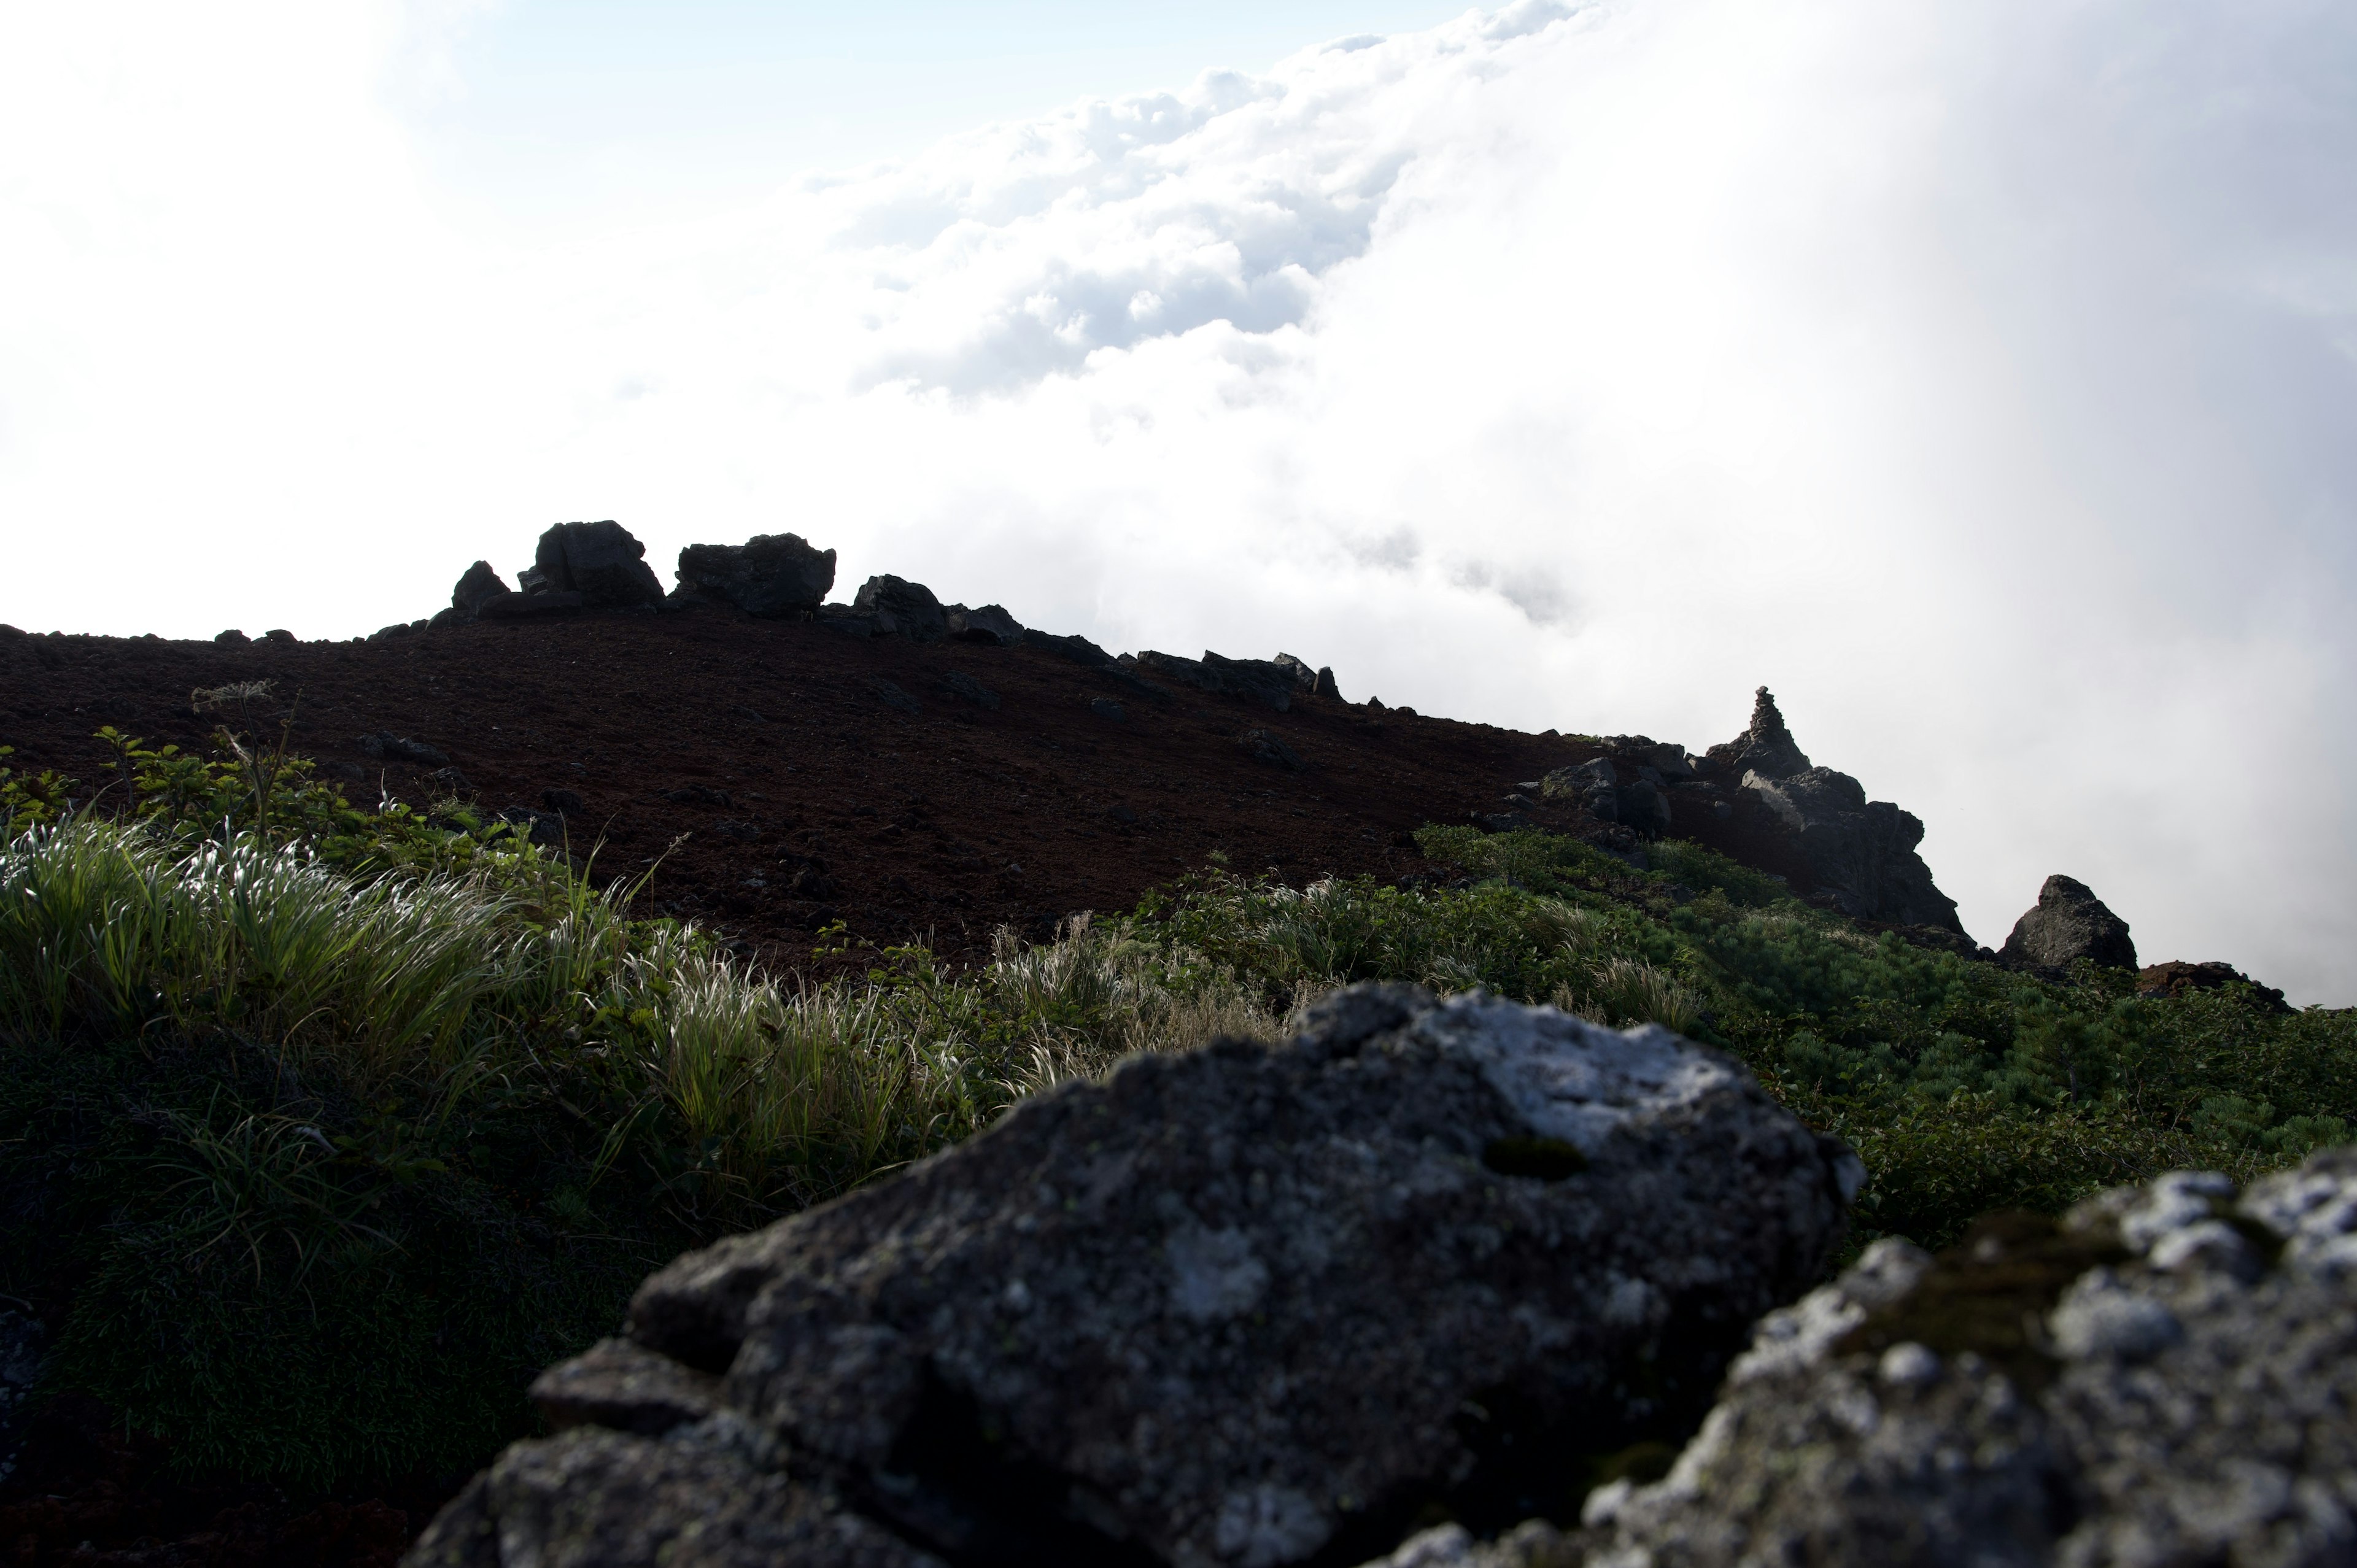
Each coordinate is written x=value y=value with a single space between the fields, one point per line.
x=1239 y=1307
x=1766 y=747
x=902 y=608
x=522 y=606
x=1860 y=852
x=2164 y=1377
x=1256 y=679
x=386 y=746
x=2068 y=924
x=990 y=624
x=770 y=574
x=602 y=562
x=2177 y=977
x=478 y=586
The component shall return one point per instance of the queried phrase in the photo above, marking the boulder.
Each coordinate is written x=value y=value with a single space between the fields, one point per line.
x=1263 y=746
x=990 y=624
x=600 y=561
x=2070 y=923
x=1319 y=682
x=2163 y=1376
x=1860 y=852
x=232 y=638
x=387 y=746
x=1076 y=648
x=1245 y=1305
x=902 y=608
x=774 y=575
x=477 y=587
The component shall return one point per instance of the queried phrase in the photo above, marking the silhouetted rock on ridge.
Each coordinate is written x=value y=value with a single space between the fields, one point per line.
x=2069 y=923
x=770 y=574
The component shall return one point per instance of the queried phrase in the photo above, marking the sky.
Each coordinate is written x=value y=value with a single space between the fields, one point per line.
x=1981 y=378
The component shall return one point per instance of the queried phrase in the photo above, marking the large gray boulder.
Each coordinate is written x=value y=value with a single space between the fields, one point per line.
x=770 y=574
x=901 y=608
x=602 y=562
x=2070 y=923
x=1244 y=1306
x=1861 y=851
x=2165 y=1378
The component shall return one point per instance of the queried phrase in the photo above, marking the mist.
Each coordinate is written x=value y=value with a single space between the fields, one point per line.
x=1980 y=378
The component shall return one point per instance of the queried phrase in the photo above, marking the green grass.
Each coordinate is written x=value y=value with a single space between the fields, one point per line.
x=324 y=1128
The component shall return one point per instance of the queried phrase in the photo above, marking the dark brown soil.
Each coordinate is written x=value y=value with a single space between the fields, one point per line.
x=764 y=774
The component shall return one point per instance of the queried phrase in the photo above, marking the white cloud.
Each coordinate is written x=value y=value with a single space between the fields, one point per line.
x=1979 y=377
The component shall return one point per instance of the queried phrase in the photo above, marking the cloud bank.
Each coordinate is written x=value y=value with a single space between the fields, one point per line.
x=1979 y=377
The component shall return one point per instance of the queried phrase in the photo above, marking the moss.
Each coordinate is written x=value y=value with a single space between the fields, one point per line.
x=1988 y=1295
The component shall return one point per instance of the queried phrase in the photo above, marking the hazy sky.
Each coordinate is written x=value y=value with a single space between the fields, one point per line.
x=1981 y=376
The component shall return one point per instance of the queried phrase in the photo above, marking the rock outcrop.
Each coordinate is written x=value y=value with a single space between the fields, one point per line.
x=1257 y=680
x=2178 y=977
x=1860 y=853
x=602 y=562
x=477 y=587
x=774 y=575
x=1318 y=682
x=2164 y=1377
x=1248 y=1305
x=2069 y=923
x=1597 y=786
x=991 y=624
x=901 y=608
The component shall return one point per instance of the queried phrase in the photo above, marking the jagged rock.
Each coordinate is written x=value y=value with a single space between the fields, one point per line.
x=602 y=562
x=1318 y=682
x=1596 y=786
x=1257 y=680
x=902 y=608
x=1766 y=747
x=2177 y=977
x=1860 y=852
x=478 y=586
x=1243 y=1305
x=2164 y=1377
x=770 y=574
x=2070 y=923
x=1076 y=648
x=990 y=624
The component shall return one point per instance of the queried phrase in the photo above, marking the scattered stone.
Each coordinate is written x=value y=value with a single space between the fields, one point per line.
x=1239 y=1307
x=1263 y=746
x=450 y=782
x=892 y=696
x=387 y=746
x=902 y=608
x=232 y=638
x=2138 y=1384
x=546 y=829
x=697 y=795
x=774 y=575
x=990 y=624
x=2177 y=977
x=958 y=683
x=1106 y=708
x=523 y=606
x=563 y=802
x=743 y=833
x=350 y=772
x=1766 y=747
x=477 y=587
x=2070 y=923
x=600 y=561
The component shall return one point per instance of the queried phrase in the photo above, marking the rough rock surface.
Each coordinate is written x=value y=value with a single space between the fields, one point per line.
x=479 y=585
x=602 y=562
x=902 y=608
x=2071 y=923
x=1318 y=682
x=1243 y=1307
x=991 y=624
x=770 y=574
x=2165 y=1378
x=1638 y=803
x=1765 y=748
x=1861 y=851
x=1260 y=679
